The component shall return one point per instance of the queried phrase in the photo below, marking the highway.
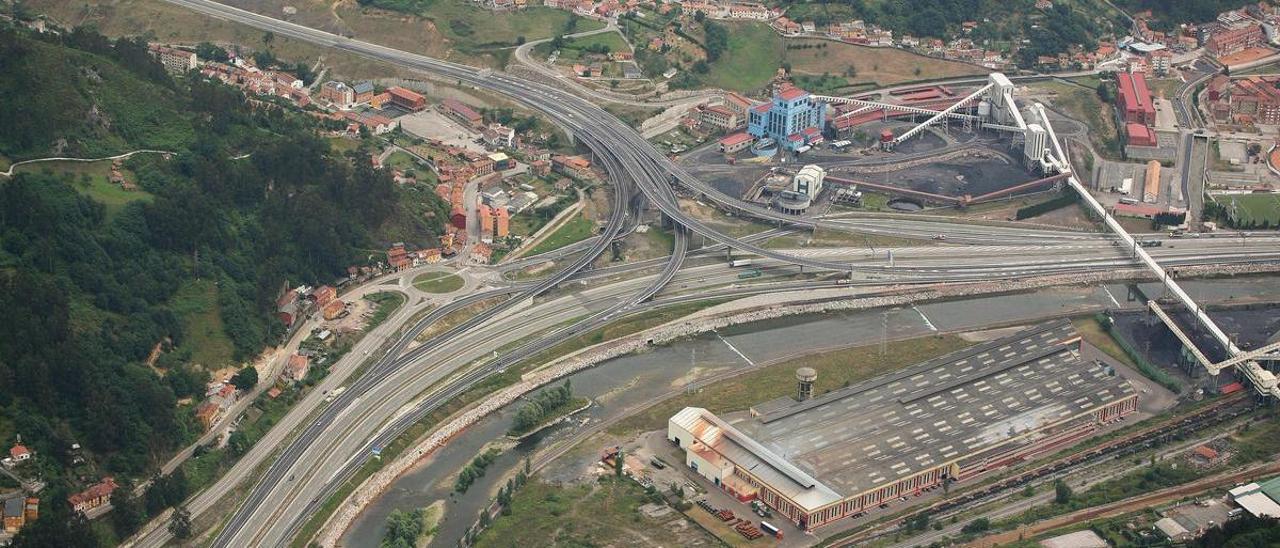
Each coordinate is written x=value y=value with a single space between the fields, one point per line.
x=410 y=381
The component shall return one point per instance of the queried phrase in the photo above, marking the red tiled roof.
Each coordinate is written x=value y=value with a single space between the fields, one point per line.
x=735 y=139
x=103 y=488
x=792 y=93
x=405 y=94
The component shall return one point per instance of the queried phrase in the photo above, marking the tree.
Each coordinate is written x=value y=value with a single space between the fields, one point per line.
x=238 y=443
x=976 y=526
x=699 y=16
x=127 y=513
x=246 y=378
x=1061 y=493
x=617 y=463
x=180 y=523
x=268 y=38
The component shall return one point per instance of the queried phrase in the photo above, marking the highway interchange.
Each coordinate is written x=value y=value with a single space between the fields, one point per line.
x=412 y=377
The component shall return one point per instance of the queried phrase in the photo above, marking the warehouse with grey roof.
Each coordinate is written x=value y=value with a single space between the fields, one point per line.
x=818 y=459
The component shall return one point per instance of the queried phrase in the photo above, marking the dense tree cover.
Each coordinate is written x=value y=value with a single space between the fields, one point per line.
x=474 y=470
x=1167 y=14
x=1066 y=24
x=540 y=406
x=716 y=40
x=1246 y=532
x=404 y=528
x=88 y=295
x=84 y=96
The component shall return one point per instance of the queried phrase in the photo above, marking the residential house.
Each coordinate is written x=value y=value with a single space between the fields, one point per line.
x=502 y=222
x=323 y=294
x=19 y=453
x=334 y=310
x=396 y=257
x=96 y=495
x=498 y=136
x=19 y=511
x=540 y=167
x=481 y=253
x=430 y=255
x=296 y=368
x=284 y=79
x=573 y=166
x=208 y=414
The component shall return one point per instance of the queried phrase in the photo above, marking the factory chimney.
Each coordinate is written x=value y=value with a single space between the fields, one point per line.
x=805 y=376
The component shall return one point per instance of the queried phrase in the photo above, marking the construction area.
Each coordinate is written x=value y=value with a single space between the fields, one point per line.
x=816 y=460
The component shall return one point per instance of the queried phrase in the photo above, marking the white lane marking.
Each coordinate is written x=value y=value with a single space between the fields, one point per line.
x=927 y=323
x=1110 y=296
x=735 y=350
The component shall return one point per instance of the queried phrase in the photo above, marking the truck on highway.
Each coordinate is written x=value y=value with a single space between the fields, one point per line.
x=753 y=273
x=336 y=392
x=739 y=262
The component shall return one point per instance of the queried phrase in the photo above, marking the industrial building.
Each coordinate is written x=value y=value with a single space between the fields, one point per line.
x=818 y=459
x=793 y=119
x=809 y=180
x=1134 y=98
x=1151 y=182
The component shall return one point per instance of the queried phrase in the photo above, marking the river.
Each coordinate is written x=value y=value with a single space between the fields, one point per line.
x=621 y=383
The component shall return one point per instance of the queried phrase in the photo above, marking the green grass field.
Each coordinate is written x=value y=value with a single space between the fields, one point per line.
x=598 y=514
x=1252 y=210
x=473 y=27
x=196 y=305
x=91 y=179
x=754 y=55
x=836 y=369
x=1084 y=105
x=576 y=48
x=577 y=229
x=438 y=282
x=402 y=161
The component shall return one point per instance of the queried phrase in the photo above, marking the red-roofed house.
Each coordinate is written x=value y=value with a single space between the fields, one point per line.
x=19 y=453
x=734 y=143
x=324 y=294
x=397 y=257
x=296 y=368
x=207 y=413
x=96 y=495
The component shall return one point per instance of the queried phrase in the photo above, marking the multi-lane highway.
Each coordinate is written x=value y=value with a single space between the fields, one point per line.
x=410 y=381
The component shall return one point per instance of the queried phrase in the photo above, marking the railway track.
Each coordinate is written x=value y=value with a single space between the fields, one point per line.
x=1218 y=412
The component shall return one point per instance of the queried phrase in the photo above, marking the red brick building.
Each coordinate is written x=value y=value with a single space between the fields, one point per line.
x=1134 y=98
x=1228 y=41
x=407 y=99
x=96 y=495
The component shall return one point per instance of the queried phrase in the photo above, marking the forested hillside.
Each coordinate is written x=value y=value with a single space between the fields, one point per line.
x=88 y=290
x=1001 y=23
x=97 y=99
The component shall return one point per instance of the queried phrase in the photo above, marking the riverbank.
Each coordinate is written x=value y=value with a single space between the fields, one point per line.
x=742 y=311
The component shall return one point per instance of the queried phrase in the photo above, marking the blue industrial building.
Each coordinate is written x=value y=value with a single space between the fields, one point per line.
x=793 y=119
